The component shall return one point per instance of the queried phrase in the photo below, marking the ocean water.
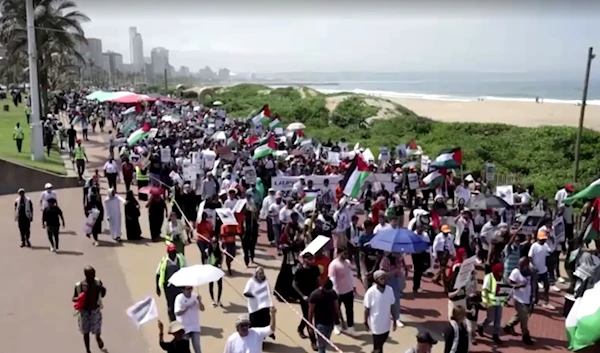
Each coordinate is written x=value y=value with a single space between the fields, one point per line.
x=551 y=88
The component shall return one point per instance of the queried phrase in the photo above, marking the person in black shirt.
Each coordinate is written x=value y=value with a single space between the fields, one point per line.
x=71 y=137
x=323 y=309
x=456 y=334
x=306 y=281
x=179 y=344
x=51 y=220
x=24 y=216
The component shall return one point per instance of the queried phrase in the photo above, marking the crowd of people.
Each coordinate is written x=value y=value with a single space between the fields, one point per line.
x=188 y=170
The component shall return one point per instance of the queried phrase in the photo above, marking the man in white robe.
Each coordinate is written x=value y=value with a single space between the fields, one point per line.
x=112 y=209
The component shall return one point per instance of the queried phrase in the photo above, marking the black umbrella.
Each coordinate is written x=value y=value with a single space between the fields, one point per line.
x=485 y=202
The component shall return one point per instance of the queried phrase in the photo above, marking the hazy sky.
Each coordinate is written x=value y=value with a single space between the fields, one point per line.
x=345 y=36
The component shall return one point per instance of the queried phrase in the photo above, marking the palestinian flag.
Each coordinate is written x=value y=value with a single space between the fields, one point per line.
x=433 y=179
x=357 y=173
x=310 y=195
x=266 y=149
x=450 y=159
x=275 y=123
x=591 y=230
x=590 y=192
x=412 y=148
x=583 y=320
x=263 y=116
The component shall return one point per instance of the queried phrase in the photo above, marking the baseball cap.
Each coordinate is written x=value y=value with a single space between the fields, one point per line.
x=171 y=247
x=445 y=228
x=569 y=187
x=425 y=337
x=541 y=235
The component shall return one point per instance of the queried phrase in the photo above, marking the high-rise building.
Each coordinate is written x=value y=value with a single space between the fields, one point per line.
x=138 y=53
x=160 y=60
x=113 y=62
x=132 y=34
x=95 y=51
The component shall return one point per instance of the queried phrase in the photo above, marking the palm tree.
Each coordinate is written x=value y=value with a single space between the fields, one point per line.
x=58 y=30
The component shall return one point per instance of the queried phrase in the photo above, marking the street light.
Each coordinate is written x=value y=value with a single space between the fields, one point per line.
x=37 y=143
x=590 y=57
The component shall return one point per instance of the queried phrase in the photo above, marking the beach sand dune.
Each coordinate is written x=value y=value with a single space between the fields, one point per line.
x=513 y=113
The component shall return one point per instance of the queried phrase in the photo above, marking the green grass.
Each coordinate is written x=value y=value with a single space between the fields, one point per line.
x=8 y=148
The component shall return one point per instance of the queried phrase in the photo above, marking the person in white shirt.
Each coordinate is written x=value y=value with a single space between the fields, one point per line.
x=488 y=231
x=298 y=186
x=567 y=214
x=383 y=225
x=379 y=310
x=246 y=339
x=443 y=250
x=538 y=253
x=111 y=171
x=264 y=213
x=520 y=279
x=554 y=252
x=46 y=195
x=232 y=199
x=274 y=210
x=187 y=313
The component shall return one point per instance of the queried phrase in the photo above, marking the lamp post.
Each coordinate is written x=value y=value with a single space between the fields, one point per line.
x=586 y=82
x=37 y=143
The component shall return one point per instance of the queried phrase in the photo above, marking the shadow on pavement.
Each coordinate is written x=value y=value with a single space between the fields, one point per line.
x=215 y=332
x=59 y=252
x=420 y=312
x=235 y=309
x=109 y=244
x=270 y=346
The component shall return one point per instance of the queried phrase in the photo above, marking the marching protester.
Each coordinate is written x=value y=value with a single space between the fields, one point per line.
x=258 y=292
x=87 y=299
x=167 y=266
x=111 y=172
x=214 y=254
x=52 y=217
x=248 y=339
x=179 y=343
x=24 y=217
x=379 y=302
x=187 y=309
x=112 y=208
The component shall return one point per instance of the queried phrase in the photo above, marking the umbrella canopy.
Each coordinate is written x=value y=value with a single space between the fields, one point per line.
x=296 y=126
x=196 y=275
x=109 y=96
x=96 y=94
x=486 y=202
x=131 y=98
x=399 y=240
x=217 y=103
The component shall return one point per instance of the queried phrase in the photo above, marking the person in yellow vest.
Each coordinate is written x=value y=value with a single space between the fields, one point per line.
x=19 y=136
x=87 y=300
x=80 y=159
x=142 y=178
x=168 y=265
x=494 y=294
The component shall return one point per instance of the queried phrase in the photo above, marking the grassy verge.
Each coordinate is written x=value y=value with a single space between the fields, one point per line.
x=8 y=149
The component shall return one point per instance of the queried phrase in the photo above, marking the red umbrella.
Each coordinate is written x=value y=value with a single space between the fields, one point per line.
x=132 y=99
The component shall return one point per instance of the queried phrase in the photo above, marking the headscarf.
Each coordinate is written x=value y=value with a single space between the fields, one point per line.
x=459 y=258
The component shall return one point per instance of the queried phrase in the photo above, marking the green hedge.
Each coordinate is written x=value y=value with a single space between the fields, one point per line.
x=544 y=156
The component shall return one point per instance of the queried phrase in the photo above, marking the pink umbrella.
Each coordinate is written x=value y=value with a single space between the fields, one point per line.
x=132 y=99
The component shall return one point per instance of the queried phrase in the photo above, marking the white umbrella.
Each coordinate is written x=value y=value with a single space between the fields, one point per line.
x=296 y=126
x=196 y=275
x=217 y=103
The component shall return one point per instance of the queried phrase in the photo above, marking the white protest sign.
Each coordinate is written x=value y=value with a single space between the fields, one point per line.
x=200 y=211
x=368 y=155
x=333 y=158
x=189 y=170
x=413 y=181
x=343 y=147
x=558 y=225
x=239 y=206
x=285 y=184
x=209 y=158
x=465 y=273
x=316 y=245
x=425 y=161
x=165 y=155
x=227 y=216
x=506 y=193
x=490 y=169
x=90 y=221
x=384 y=154
x=143 y=312
x=249 y=174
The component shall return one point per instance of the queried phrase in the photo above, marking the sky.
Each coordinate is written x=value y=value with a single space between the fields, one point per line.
x=265 y=36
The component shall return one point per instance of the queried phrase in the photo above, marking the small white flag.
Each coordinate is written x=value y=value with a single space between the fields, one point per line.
x=143 y=312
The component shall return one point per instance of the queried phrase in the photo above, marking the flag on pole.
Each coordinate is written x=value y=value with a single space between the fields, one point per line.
x=591 y=229
x=356 y=175
x=451 y=158
x=263 y=116
x=143 y=311
x=275 y=123
x=266 y=149
x=583 y=320
x=592 y=191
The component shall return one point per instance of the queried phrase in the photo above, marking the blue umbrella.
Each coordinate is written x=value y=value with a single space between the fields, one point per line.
x=400 y=240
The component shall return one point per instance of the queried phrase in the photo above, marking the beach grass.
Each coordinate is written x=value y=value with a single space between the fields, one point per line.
x=8 y=149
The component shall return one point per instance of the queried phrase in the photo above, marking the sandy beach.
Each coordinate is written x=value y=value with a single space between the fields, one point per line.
x=515 y=113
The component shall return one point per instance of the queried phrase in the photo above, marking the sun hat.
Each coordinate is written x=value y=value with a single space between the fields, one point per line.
x=48 y=186
x=445 y=228
x=542 y=235
x=175 y=327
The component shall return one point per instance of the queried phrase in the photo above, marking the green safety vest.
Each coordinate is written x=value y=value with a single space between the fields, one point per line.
x=79 y=153
x=140 y=176
x=163 y=268
x=491 y=296
x=18 y=133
